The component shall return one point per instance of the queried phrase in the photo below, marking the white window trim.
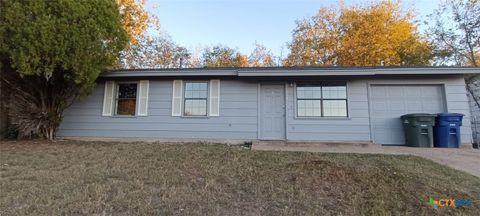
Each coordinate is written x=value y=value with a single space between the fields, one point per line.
x=108 y=111
x=175 y=98
x=212 y=97
x=207 y=105
x=139 y=97
x=115 y=99
x=296 y=116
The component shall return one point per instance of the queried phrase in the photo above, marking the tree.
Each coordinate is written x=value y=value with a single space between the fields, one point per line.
x=223 y=56
x=261 y=57
x=379 y=34
x=456 y=33
x=156 y=52
x=51 y=53
x=315 y=40
x=135 y=18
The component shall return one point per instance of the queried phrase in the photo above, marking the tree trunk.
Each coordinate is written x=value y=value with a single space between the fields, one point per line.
x=473 y=88
x=39 y=103
x=3 y=109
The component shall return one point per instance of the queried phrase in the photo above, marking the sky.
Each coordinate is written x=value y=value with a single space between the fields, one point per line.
x=241 y=23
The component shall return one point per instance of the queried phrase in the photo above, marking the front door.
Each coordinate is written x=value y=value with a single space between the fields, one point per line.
x=272 y=112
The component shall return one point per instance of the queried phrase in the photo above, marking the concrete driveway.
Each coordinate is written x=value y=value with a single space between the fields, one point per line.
x=465 y=159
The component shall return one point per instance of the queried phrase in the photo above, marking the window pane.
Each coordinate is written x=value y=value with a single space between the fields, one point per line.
x=335 y=108
x=126 y=101
x=202 y=93
x=336 y=92
x=203 y=86
x=194 y=107
x=126 y=107
x=308 y=92
x=196 y=90
x=127 y=90
x=189 y=94
x=308 y=108
x=188 y=87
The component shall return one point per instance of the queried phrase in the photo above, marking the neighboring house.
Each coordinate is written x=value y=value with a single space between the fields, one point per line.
x=358 y=104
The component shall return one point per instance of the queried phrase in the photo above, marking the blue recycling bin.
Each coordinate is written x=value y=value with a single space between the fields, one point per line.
x=447 y=130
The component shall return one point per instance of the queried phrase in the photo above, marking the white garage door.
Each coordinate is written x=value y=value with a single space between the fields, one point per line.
x=389 y=102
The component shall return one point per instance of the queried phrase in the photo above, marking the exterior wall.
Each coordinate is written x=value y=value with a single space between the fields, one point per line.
x=357 y=126
x=237 y=120
x=354 y=128
x=239 y=112
x=457 y=102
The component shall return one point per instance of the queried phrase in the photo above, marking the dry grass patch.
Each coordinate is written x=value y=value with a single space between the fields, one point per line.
x=85 y=178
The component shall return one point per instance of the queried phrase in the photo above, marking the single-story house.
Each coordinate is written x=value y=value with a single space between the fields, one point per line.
x=325 y=104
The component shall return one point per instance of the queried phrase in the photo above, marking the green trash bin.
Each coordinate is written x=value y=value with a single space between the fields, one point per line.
x=418 y=128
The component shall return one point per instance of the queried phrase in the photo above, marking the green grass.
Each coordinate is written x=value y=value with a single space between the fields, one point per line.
x=85 y=178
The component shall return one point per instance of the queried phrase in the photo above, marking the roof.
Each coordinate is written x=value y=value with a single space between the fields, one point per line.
x=290 y=71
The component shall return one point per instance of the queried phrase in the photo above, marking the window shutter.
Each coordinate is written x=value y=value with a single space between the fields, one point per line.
x=177 y=98
x=143 y=98
x=214 y=97
x=108 y=98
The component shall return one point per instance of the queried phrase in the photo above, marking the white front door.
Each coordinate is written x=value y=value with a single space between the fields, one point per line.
x=272 y=111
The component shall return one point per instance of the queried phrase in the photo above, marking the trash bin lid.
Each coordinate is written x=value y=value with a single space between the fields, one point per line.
x=450 y=114
x=418 y=115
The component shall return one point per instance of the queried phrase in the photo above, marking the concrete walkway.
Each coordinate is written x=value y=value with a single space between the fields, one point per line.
x=465 y=159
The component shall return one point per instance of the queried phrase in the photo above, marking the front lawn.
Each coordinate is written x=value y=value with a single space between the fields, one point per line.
x=85 y=178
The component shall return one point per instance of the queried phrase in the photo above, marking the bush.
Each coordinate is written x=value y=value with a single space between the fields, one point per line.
x=11 y=132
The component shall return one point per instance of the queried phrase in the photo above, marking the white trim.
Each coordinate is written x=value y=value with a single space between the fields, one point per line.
x=259 y=92
x=286 y=91
x=177 y=111
x=115 y=98
x=108 y=96
x=347 y=99
x=217 y=97
x=143 y=97
x=260 y=135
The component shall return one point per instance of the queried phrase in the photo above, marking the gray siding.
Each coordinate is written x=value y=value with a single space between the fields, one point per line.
x=357 y=126
x=237 y=120
x=354 y=128
x=457 y=102
x=238 y=114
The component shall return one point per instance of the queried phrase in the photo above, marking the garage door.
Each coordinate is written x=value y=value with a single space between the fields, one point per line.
x=389 y=102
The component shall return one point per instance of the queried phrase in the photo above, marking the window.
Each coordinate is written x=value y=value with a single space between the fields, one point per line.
x=126 y=100
x=322 y=100
x=196 y=94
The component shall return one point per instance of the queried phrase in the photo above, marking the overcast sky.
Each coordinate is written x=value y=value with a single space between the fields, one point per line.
x=239 y=23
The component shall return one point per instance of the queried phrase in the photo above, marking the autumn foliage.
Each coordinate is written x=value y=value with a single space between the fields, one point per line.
x=135 y=19
x=379 y=34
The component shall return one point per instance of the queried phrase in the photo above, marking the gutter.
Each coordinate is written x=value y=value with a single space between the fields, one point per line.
x=289 y=72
